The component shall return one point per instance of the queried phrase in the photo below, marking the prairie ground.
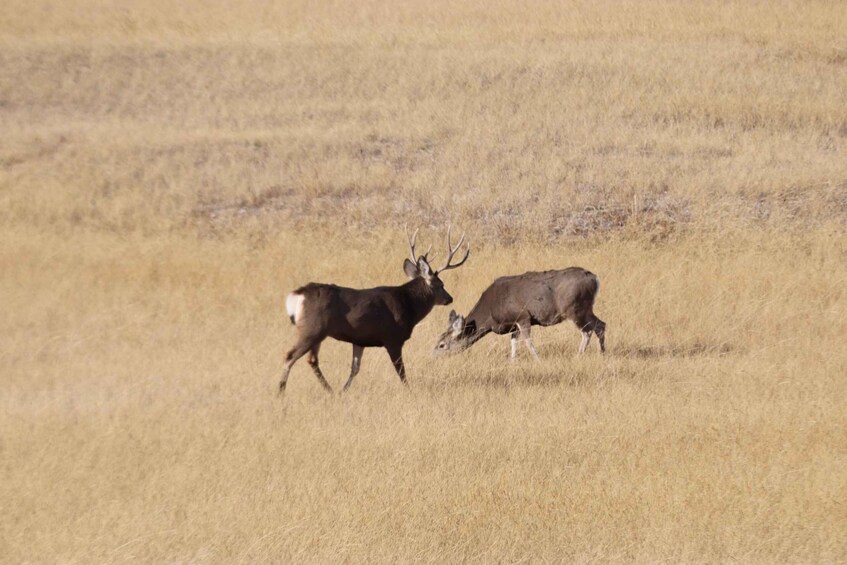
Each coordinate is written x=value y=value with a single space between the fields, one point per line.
x=168 y=174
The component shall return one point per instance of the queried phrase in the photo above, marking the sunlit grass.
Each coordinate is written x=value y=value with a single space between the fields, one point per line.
x=168 y=173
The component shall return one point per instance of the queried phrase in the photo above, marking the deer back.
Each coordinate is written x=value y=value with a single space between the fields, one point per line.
x=543 y=298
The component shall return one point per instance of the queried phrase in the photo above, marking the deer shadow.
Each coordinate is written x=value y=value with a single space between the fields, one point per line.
x=697 y=349
x=523 y=374
x=561 y=366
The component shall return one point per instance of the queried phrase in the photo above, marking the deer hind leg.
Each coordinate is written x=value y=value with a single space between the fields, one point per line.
x=586 y=337
x=313 y=362
x=357 y=361
x=600 y=330
x=592 y=324
x=396 y=354
x=291 y=357
x=524 y=329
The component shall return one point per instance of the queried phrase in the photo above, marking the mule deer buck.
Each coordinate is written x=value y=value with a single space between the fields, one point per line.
x=513 y=304
x=376 y=317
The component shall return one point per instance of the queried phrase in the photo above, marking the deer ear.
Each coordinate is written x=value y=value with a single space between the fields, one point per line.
x=452 y=316
x=410 y=269
x=424 y=269
x=458 y=324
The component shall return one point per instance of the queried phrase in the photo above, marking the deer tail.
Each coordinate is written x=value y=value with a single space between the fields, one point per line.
x=294 y=306
x=596 y=281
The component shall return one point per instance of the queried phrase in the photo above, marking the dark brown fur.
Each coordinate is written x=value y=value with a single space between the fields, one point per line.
x=384 y=316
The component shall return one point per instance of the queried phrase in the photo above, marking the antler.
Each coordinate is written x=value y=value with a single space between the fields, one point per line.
x=412 y=244
x=452 y=251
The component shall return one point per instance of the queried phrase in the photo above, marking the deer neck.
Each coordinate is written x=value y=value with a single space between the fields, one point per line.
x=419 y=298
x=477 y=332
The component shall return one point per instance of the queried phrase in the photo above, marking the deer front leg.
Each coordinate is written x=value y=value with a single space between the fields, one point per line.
x=354 y=369
x=524 y=329
x=396 y=355
x=514 y=345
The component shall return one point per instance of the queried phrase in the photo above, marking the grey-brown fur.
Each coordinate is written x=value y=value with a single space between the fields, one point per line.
x=384 y=316
x=512 y=304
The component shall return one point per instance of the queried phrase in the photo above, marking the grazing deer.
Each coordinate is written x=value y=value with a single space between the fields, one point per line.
x=513 y=304
x=376 y=317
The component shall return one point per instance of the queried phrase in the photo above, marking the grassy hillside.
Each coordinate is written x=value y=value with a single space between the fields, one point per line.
x=169 y=173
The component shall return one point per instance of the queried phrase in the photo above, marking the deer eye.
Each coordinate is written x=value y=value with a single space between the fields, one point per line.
x=442 y=345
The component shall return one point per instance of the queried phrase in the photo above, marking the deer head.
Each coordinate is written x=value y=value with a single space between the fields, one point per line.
x=419 y=267
x=458 y=337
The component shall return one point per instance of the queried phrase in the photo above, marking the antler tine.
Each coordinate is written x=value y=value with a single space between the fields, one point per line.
x=412 y=242
x=452 y=251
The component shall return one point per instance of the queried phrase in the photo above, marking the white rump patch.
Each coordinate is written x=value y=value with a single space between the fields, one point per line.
x=294 y=305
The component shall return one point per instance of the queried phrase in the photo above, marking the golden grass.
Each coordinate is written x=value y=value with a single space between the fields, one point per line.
x=168 y=173
x=139 y=417
x=535 y=136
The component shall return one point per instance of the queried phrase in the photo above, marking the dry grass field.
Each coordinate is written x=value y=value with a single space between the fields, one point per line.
x=169 y=172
